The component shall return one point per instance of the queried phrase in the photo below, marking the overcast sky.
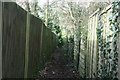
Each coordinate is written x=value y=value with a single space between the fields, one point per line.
x=41 y=2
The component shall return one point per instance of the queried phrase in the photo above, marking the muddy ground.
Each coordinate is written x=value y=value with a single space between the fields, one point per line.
x=58 y=69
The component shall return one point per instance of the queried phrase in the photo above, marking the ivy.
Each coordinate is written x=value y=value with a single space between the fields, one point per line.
x=107 y=49
x=115 y=28
x=100 y=44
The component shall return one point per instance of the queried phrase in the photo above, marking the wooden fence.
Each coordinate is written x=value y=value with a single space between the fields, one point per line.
x=92 y=46
x=99 y=61
x=0 y=40
x=26 y=42
x=99 y=64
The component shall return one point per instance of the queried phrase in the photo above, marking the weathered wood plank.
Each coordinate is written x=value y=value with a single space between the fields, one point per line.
x=0 y=39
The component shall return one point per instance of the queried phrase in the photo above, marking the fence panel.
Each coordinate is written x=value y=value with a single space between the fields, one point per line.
x=27 y=43
x=13 y=44
x=91 y=57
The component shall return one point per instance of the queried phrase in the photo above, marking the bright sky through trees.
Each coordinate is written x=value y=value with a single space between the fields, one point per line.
x=43 y=2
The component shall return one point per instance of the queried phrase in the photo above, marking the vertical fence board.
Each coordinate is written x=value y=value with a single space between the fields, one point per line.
x=0 y=39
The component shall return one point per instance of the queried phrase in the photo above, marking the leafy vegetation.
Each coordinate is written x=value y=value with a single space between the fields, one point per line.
x=108 y=49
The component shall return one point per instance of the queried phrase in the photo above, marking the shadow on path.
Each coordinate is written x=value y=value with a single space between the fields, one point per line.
x=58 y=68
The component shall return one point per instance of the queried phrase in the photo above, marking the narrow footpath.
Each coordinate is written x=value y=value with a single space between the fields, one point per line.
x=58 y=69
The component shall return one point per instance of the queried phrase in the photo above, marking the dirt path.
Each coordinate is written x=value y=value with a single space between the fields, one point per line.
x=58 y=68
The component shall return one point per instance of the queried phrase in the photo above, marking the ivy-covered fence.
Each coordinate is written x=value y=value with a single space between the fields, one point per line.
x=103 y=45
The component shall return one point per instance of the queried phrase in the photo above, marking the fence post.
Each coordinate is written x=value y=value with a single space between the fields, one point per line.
x=0 y=40
x=27 y=46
